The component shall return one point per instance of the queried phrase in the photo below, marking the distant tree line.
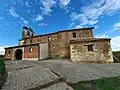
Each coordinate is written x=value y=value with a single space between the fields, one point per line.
x=1 y=57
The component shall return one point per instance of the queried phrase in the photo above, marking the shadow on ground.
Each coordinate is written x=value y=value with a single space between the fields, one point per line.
x=3 y=79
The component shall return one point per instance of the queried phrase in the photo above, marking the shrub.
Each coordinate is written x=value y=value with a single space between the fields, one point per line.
x=2 y=67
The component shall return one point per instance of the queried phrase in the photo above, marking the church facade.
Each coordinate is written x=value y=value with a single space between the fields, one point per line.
x=79 y=45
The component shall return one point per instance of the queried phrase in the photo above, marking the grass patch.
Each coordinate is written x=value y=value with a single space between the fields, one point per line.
x=2 y=57
x=112 y=83
x=2 y=67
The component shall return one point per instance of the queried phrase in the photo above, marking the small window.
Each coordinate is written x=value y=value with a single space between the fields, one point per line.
x=30 y=50
x=38 y=39
x=90 y=47
x=74 y=35
x=9 y=52
x=28 y=33
x=24 y=41
x=30 y=41
x=49 y=39
x=32 y=34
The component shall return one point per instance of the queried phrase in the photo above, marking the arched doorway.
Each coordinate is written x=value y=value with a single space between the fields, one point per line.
x=18 y=54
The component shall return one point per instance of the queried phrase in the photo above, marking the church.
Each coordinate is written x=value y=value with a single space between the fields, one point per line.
x=77 y=45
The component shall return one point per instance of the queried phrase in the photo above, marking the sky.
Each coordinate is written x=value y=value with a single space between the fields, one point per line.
x=46 y=16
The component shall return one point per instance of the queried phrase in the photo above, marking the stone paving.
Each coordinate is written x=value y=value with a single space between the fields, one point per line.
x=82 y=72
x=54 y=74
x=59 y=86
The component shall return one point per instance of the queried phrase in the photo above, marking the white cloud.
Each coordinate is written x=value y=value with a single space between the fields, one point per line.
x=7 y=25
x=23 y=20
x=82 y=19
x=1 y=18
x=27 y=4
x=79 y=17
x=39 y=18
x=90 y=14
x=47 y=6
x=71 y=25
x=6 y=4
x=78 y=26
x=102 y=36
x=12 y=12
x=116 y=27
x=64 y=3
x=2 y=51
x=115 y=43
x=42 y=24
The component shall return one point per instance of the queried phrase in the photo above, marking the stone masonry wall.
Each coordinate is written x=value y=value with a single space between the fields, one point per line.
x=102 y=52
x=8 y=54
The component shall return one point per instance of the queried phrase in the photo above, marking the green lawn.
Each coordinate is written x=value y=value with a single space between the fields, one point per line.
x=102 y=84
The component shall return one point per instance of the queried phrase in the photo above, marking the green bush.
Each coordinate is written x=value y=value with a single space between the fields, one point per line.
x=2 y=67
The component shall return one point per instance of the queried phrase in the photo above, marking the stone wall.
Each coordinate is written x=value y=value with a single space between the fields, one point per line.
x=8 y=54
x=101 y=52
x=64 y=44
x=54 y=46
x=81 y=34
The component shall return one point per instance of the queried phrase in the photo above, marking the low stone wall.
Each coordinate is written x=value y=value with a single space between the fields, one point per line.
x=101 y=52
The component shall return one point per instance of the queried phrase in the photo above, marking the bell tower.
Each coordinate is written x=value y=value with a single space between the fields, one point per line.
x=27 y=32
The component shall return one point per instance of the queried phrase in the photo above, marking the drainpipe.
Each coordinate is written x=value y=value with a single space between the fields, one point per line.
x=38 y=51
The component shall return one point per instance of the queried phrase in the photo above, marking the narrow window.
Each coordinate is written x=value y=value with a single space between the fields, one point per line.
x=30 y=41
x=24 y=41
x=32 y=34
x=74 y=35
x=90 y=47
x=28 y=33
x=49 y=38
x=30 y=50
x=9 y=52
x=38 y=39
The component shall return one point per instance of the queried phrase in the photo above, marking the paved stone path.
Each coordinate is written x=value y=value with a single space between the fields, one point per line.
x=54 y=74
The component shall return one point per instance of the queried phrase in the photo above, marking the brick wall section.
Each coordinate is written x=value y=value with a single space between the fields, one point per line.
x=64 y=44
x=8 y=56
x=33 y=54
x=102 y=52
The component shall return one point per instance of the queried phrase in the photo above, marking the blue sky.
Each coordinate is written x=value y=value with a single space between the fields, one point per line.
x=46 y=16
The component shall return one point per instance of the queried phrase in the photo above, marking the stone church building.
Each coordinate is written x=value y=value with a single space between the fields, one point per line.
x=79 y=45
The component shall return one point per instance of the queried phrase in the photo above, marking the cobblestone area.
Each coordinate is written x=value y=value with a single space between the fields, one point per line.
x=53 y=74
